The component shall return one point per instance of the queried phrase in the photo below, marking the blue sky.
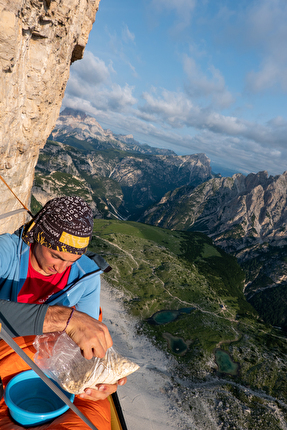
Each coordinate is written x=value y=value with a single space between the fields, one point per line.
x=192 y=76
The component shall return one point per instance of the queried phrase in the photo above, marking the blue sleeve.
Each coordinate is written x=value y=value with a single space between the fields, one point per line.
x=84 y=295
x=90 y=300
x=8 y=250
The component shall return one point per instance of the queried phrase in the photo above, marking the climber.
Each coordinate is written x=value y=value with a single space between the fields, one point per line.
x=44 y=263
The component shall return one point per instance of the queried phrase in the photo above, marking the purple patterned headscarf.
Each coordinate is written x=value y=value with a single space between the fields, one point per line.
x=63 y=224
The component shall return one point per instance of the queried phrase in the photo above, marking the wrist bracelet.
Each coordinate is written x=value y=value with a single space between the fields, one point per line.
x=69 y=319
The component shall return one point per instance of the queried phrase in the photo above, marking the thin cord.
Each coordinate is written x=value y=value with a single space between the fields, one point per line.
x=69 y=319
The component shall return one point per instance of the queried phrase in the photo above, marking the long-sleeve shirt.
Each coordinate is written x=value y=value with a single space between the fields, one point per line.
x=82 y=290
x=22 y=319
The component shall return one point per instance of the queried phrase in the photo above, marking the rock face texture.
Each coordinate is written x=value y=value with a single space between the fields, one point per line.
x=39 y=39
x=236 y=212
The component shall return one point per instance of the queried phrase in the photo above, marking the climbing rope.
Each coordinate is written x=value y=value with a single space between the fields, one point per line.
x=30 y=213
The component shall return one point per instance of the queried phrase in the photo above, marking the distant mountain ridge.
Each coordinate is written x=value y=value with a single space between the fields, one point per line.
x=236 y=212
x=82 y=127
x=122 y=177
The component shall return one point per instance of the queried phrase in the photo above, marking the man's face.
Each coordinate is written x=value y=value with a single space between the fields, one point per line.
x=48 y=262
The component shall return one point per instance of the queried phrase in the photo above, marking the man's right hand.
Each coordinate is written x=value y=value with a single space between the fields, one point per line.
x=91 y=335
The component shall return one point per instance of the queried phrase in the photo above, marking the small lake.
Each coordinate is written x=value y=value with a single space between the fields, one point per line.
x=176 y=344
x=225 y=363
x=166 y=316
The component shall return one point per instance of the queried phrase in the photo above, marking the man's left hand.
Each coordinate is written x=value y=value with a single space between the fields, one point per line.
x=102 y=391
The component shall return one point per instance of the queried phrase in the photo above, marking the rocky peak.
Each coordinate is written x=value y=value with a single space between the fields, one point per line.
x=74 y=113
x=236 y=212
x=83 y=127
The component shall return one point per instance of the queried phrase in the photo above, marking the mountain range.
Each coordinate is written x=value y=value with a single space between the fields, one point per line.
x=201 y=260
x=122 y=179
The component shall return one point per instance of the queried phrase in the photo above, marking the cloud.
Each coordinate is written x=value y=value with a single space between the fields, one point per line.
x=127 y=36
x=191 y=120
x=90 y=69
x=169 y=107
x=90 y=80
x=272 y=75
x=117 y=98
x=183 y=10
x=176 y=110
x=170 y=120
x=113 y=98
x=181 y=6
x=267 y=29
x=260 y=31
x=174 y=120
x=200 y=85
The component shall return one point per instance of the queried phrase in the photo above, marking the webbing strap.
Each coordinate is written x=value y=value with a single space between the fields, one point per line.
x=8 y=339
x=7 y=214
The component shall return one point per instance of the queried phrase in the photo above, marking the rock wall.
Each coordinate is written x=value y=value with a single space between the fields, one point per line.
x=39 y=39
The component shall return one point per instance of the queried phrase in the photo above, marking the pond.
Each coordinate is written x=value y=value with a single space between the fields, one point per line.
x=176 y=344
x=225 y=363
x=166 y=316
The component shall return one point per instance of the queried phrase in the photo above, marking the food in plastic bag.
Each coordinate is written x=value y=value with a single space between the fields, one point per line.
x=61 y=359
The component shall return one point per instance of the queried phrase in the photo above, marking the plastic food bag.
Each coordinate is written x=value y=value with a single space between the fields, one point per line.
x=60 y=358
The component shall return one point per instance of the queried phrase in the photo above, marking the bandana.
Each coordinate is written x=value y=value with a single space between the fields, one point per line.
x=63 y=224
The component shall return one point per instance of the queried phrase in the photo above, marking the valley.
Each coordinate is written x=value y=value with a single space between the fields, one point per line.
x=206 y=253
x=152 y=270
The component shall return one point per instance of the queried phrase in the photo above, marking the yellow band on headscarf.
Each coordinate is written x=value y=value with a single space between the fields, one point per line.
x=75 y=241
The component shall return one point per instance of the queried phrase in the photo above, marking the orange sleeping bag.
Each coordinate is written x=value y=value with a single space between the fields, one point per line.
x=98 y=412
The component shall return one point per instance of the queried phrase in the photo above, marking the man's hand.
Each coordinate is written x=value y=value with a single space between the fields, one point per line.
x=89 y=334
x=102 y=391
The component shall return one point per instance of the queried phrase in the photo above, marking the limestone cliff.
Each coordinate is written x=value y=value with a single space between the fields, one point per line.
x=39 y=39
x=237 y=212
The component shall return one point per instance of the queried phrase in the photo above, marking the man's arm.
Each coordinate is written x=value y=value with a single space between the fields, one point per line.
x=24 y=319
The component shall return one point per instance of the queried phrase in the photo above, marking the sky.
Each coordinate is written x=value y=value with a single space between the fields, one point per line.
x=193 y=76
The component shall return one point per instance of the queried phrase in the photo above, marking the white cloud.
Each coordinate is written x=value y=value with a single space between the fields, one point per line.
x=257 y=31
x=113 y=98
x=127 y=35
x=90 y=69
x=182 y=7
x=266 y=26
x=183 y=10
x=200 y=85
x=117 y=98
x=190 y=120
x=271 y=75
x=171 y=121
x=268 y=32
x=262 y=30
x=177 y=111
x=169 y=107
x=90 y=81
